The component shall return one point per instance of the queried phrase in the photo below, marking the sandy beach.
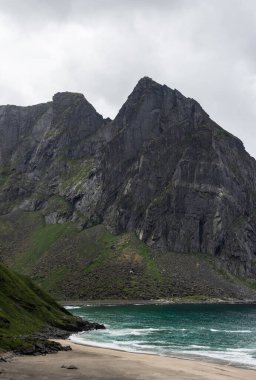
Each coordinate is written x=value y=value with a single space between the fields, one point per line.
x=100 y=363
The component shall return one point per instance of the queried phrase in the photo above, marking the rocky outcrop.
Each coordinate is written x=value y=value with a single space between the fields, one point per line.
x=161 y=168
x=29 y=317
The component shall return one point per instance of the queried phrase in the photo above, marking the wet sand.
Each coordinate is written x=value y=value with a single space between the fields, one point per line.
x=100 y=363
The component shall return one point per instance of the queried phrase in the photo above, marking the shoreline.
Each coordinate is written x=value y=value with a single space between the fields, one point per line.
x=173 y=301
x=183 y=356
x=212 y=356
x=103 y=363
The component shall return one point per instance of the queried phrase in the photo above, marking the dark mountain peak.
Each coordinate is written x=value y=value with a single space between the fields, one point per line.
x=146 y=92
x=146 y=84
x=147 y=87
x=66 y=95
x=145 y=79
x=150 y=103
x=66 y=99
x=68 y=103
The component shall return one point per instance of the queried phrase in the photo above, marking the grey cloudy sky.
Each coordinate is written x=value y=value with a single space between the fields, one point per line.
x=204 y=48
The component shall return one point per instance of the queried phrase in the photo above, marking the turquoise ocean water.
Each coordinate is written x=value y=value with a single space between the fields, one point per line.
x=226 y=332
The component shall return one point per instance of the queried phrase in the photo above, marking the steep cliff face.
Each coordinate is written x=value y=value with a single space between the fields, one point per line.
x=47 y=150
x=162 y=169
x=179 y=180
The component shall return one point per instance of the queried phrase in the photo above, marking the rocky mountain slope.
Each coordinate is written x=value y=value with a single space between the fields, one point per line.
x=162 y=172
x=26 y=310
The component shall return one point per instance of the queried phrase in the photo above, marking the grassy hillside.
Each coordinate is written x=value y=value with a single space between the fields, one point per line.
x=95 y=264
x=25 y=309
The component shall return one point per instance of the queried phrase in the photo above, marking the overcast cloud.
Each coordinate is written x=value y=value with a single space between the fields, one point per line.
x=204 y=48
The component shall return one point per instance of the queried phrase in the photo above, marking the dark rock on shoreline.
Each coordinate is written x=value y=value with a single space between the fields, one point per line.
x=41 y=347
x=69 y=366
x=80 y=325
x=39 y=343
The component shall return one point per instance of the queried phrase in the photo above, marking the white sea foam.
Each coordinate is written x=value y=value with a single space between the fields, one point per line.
x=232 y=331
x=122 y=346
x=233 y=356
x=72 y=307
x=130 y=331
x=109 y=305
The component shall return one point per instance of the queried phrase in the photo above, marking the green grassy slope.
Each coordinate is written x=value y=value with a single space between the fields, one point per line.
x=95 y=264
x=24 y=309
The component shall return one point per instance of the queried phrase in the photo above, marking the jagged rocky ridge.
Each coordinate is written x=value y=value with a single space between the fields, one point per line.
x=162 y=169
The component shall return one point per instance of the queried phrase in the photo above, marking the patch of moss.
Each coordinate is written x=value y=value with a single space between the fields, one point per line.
x=5 y=228
x=250 y=283
x=168 y=189
x=44 y=236
x=76 y=172
x=58 y=204
x=104 y=251
x=54 y=277
x=134 y=272
x=52 y=132
x=3 y=179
